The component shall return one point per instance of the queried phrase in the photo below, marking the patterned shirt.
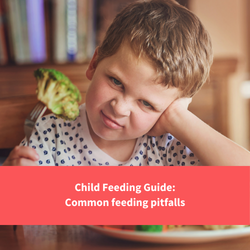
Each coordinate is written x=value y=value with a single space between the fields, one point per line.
x=69 y=143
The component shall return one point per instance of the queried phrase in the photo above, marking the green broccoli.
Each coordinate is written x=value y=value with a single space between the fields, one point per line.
x=58 y=93
x=149 y=228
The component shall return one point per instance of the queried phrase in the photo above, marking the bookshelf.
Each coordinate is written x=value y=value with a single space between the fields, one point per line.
x=47 y=31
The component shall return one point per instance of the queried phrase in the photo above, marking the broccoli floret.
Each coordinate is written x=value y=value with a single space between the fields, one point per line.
x=58 y=93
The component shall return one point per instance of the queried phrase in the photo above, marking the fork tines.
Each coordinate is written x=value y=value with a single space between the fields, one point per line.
x=30 y=121
x=37 y=111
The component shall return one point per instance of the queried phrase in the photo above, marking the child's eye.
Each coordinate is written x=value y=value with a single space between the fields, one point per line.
x=116 y=82
x=146 y=104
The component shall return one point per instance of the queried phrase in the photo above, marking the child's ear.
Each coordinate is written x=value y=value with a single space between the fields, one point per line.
x=92 y=66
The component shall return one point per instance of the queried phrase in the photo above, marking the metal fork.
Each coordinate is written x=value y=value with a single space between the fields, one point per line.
x=31 y=119
x=29 y=124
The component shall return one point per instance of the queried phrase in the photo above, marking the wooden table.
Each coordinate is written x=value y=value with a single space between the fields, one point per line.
x=79 y=237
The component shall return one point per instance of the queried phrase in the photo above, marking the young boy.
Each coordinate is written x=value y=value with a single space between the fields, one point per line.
x=156 y=55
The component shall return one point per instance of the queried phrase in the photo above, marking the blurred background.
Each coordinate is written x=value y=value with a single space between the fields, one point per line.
x=228 y=24
x=63 y=34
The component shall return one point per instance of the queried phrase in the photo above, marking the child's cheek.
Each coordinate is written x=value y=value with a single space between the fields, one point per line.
x=144 y=122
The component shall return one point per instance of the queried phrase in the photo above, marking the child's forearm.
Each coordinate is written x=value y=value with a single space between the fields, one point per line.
x=211 y=147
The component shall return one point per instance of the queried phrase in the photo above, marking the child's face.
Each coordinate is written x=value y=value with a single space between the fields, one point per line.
x=123 y=101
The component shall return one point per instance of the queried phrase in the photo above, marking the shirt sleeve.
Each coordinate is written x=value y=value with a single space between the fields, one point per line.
x=178 y=154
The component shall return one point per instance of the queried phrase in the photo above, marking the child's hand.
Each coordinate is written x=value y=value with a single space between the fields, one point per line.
x=163 y=125
x=22 y=156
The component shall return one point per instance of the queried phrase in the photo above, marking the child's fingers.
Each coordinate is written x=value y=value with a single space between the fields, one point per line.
x=187 y=101
x=24 y=152
x=156 y=131
x=181 y=102
x=160 y=127
x=22 y=156
x=19 y=162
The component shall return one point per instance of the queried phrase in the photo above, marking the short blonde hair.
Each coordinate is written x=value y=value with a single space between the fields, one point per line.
x=170 y=36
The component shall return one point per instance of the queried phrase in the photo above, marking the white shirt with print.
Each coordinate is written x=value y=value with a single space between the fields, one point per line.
x=68 y=143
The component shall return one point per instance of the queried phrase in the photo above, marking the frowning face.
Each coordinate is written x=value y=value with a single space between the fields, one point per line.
x=124 y=100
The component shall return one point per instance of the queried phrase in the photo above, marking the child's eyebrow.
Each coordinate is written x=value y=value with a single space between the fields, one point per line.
x=123 y=81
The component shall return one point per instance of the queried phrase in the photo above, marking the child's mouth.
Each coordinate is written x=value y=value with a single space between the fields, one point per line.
x=109 y=122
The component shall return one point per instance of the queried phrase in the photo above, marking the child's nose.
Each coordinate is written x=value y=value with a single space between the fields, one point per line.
x=120 y=107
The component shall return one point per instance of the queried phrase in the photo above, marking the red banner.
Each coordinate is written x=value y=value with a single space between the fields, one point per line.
x=125 y=195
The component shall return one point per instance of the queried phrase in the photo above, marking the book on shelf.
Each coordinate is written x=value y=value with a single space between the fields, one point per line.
x=59 y=31
x=3 y=45
x=26 y=30
x=71 y=18
x=36 y=30
x=91 y=38
x=73 y=30
x=12 y=18
x=82 y=30
x=21 y=57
